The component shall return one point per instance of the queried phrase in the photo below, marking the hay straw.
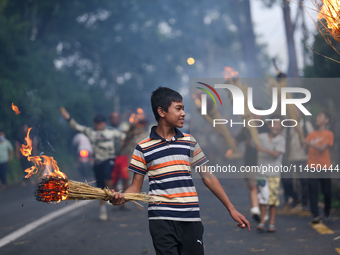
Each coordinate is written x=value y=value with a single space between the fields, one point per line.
x=54 y=189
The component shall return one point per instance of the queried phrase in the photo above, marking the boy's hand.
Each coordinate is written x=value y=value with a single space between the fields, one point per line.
x=117 y=198
x=259 y=148
x=305 y=142
x=64 y=113
x=243 y=223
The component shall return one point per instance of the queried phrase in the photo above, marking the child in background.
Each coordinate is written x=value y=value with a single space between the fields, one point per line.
x=272 y=146
x=319 y=142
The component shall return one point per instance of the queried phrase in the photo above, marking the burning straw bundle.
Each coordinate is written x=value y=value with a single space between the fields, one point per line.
x=53 y=189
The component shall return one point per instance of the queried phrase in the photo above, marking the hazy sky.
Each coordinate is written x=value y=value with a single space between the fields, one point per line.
x=269 y=26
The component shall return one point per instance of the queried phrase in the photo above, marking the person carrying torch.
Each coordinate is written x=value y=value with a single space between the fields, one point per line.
x=167 y=157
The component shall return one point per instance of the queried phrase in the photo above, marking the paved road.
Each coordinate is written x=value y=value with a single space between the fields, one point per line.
x=126 y=232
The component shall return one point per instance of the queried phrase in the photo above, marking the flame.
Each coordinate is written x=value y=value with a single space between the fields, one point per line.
x=229 y=72
x=330 y=12
x=52 y=190
x=41 y=163
x=15 y=108
x=84 y=153
x=136 y=117
x=228 y=153
x=50 y=172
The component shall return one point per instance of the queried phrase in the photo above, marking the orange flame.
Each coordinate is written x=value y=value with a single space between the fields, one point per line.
x=15 y=108
x=330 y=12
x=135 y=118
x=41 y=163
x=228 y=153
x=229 y=72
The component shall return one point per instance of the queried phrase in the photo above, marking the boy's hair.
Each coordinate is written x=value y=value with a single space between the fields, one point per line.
x=163 y=97
x=327 y=115
x=99 y=118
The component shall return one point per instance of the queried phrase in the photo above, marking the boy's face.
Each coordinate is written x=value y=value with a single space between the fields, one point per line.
x=321 y=119
x=275 y=128
x=99 y=125
x=175 y=115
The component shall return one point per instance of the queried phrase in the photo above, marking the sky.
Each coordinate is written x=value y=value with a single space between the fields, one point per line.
x=269 y=28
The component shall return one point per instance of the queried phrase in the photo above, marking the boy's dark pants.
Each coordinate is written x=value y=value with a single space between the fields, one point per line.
x=177 y=237
x=326 y=189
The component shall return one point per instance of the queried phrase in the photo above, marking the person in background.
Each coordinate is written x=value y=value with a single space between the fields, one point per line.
x=250 y=159
x=296 y=155
x=319 y=142
x=272 y=146
x=23 y=160
x=102 y=140
x=6 y=155
x=84 y=151
x=120 y=170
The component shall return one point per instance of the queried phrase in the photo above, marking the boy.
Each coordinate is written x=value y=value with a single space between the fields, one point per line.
x=272 y=145
x=174 y=223
x=319 y=142
x=102 y=141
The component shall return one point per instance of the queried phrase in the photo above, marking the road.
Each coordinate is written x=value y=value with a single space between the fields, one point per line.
x=126 y=232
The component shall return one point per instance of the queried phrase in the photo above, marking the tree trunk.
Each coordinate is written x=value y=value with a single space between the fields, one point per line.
x=244 y=23
x=289 y=28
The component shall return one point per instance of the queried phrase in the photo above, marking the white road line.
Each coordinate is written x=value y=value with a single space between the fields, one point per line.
x=29 y=227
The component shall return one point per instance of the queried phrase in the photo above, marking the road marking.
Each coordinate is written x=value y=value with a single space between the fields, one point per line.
x=29 y=227
x=322 y=228
x=337 y=250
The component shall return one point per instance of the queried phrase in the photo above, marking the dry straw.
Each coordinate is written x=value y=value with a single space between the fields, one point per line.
x=55 y=189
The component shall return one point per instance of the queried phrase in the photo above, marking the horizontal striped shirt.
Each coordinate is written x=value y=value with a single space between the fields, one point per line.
x=168 y=165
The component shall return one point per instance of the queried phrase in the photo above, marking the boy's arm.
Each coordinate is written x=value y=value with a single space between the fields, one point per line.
x=213 y=184
x=135 y=187
x=275 y=154
x=74 y=125
x=321 y=148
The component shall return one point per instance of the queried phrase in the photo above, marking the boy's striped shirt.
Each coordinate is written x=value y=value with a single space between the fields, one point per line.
x=168 y=164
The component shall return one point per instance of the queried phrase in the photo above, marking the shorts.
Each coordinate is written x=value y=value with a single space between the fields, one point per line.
x=177 y=237
x=120 y=169
x=268 y=190
x=102 y=172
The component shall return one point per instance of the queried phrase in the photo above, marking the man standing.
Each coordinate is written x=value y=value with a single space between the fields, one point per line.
x=6 y=155
x=102 y=140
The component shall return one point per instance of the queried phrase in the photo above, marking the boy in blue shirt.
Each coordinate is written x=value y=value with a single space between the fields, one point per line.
x=167 y=156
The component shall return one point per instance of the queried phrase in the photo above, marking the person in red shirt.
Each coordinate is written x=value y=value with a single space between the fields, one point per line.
x=319 y=142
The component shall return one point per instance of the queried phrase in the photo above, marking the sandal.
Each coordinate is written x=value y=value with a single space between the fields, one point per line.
x=260 y=227
x=271 y=228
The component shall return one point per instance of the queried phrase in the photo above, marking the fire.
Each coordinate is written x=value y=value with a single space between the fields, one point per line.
x=41 y=163
x=228 y=153
x=136 y=117
x=84 y=153
x=229 y=72
x=15 y=108
x=53 y=187
x=330 y=12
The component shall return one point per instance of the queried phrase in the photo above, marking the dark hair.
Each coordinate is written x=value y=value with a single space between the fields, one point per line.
x=327 y=115
x=99 y=118
x=163 y=97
